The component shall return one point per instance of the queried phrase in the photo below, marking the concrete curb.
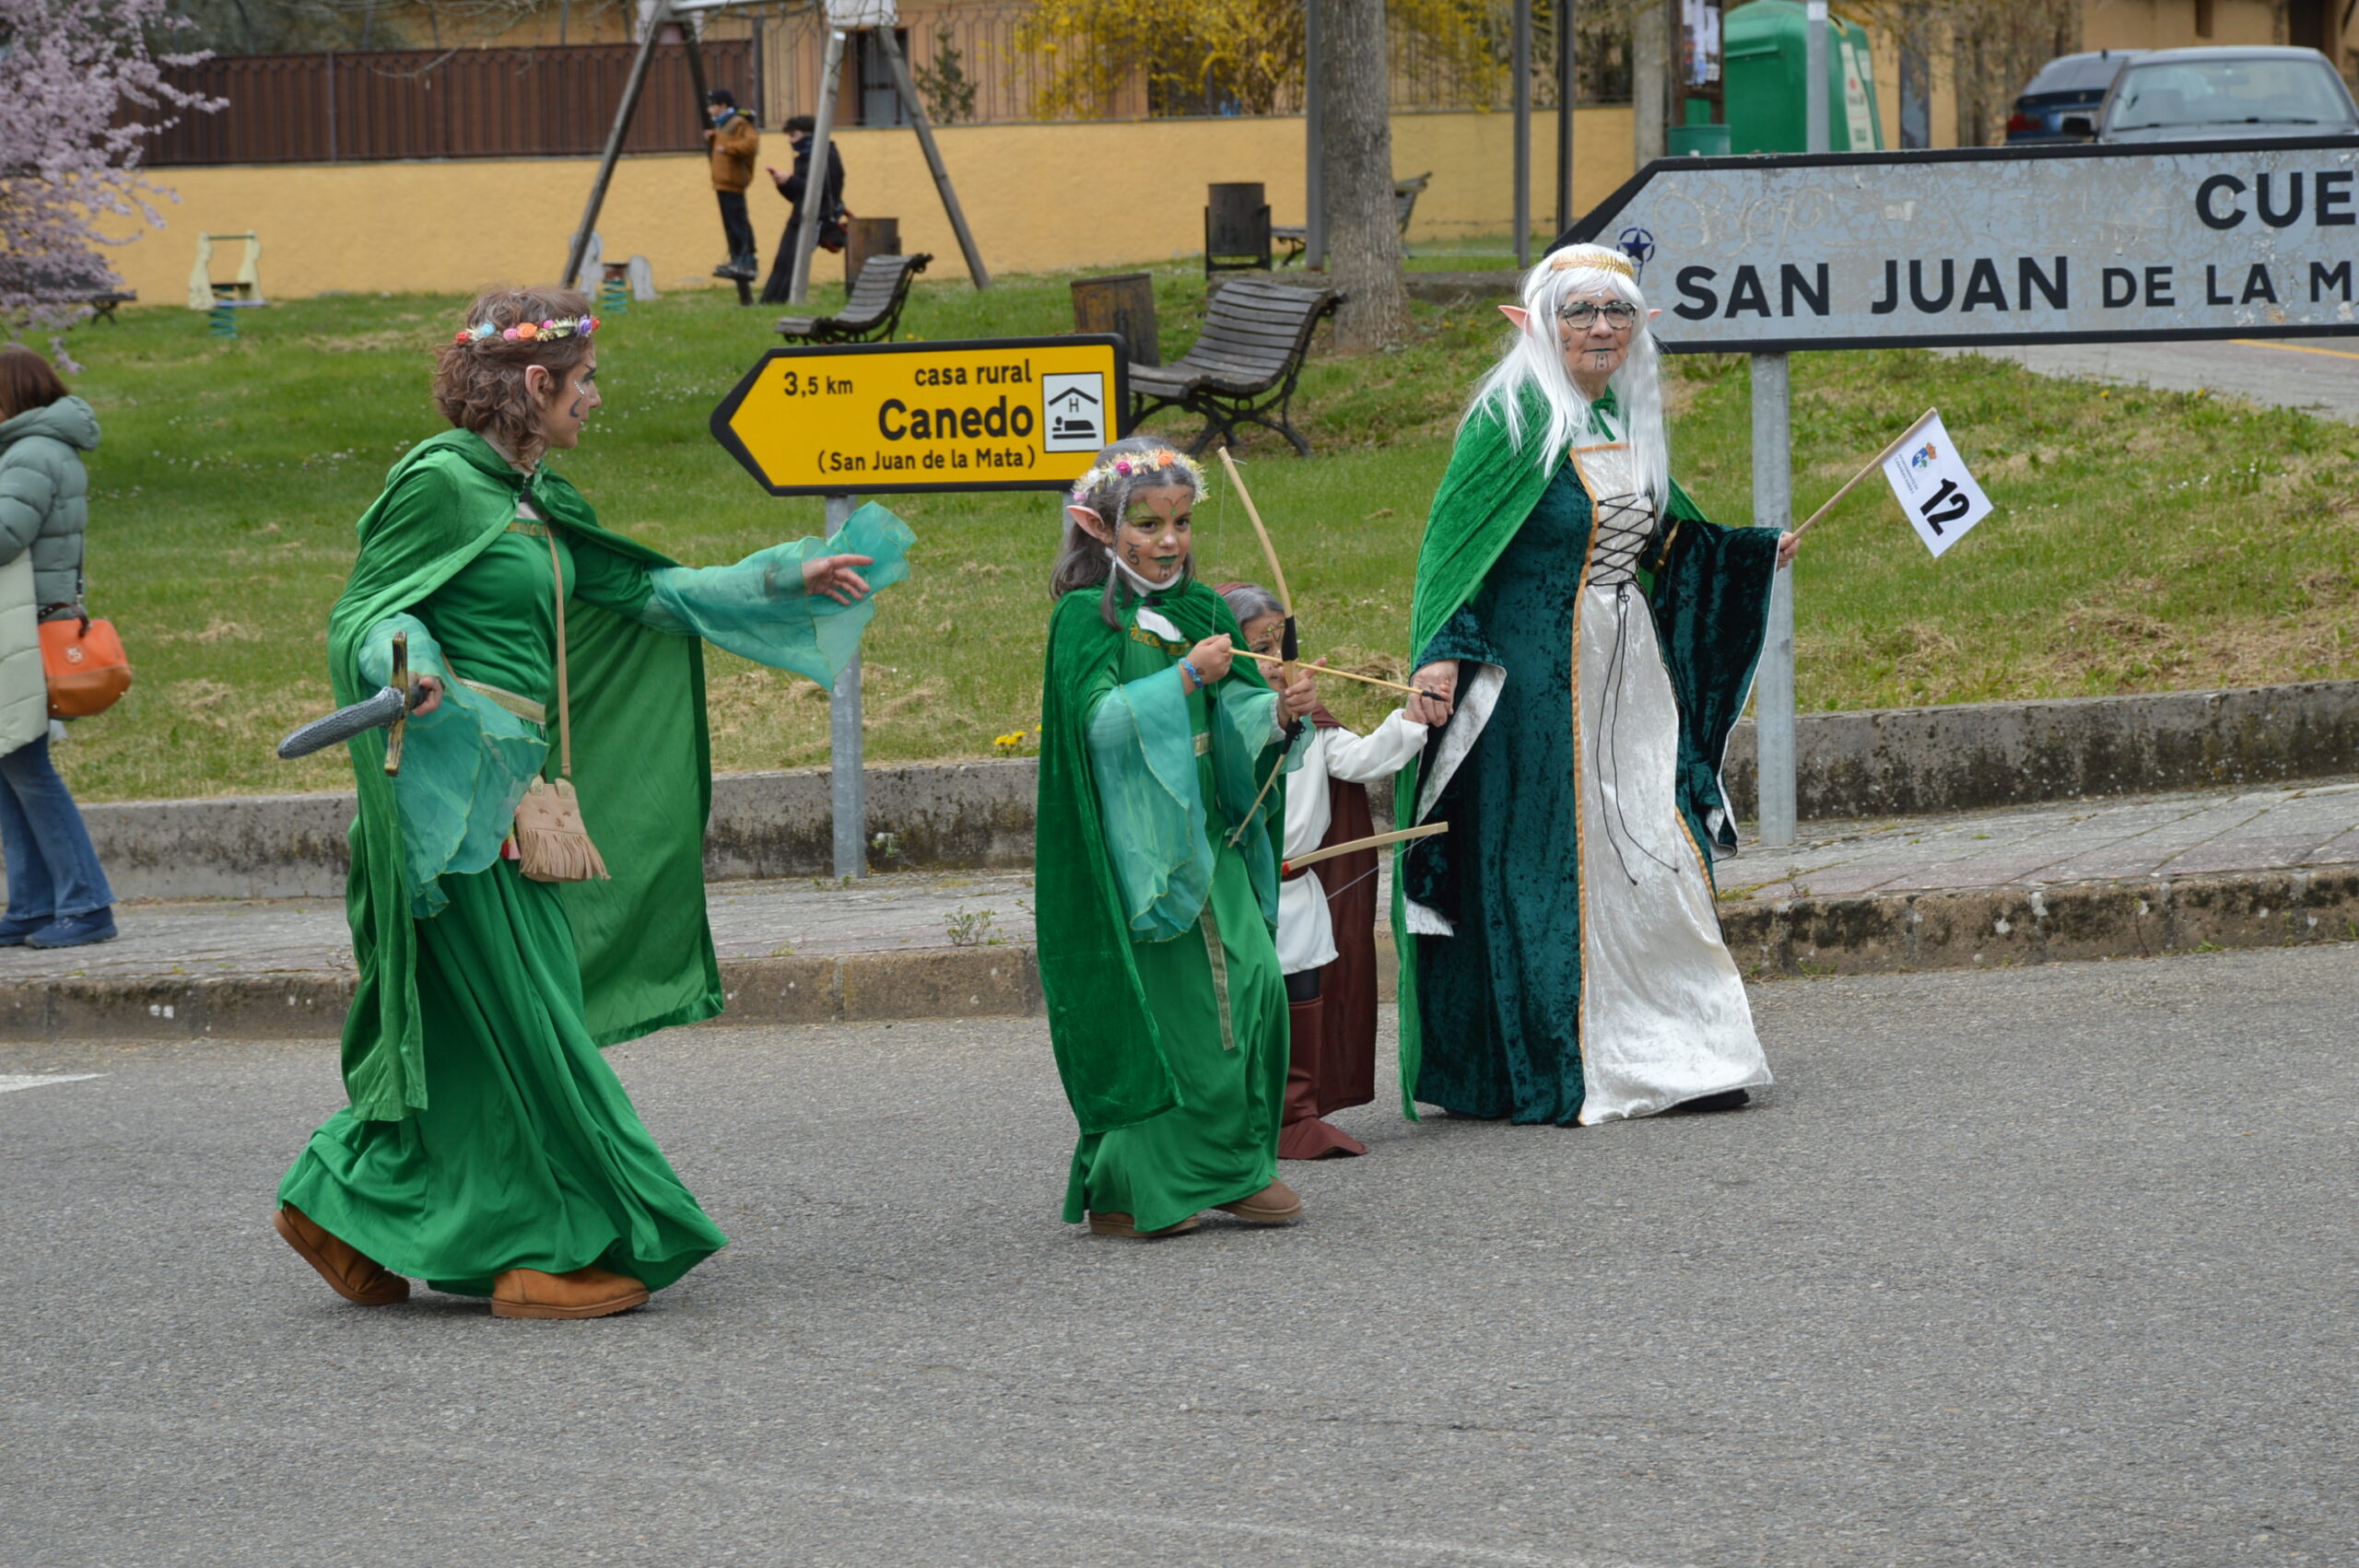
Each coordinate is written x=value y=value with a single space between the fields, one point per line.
x=1948 y=928
x=978 y=814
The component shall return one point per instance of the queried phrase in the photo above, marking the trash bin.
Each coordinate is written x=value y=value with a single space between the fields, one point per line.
x=1124 y=303
x=1767 y=51
x=1697 y=141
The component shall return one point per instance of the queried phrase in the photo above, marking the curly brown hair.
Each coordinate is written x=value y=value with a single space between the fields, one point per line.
x=479 y=385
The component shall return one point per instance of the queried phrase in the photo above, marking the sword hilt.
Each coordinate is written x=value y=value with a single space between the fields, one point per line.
x=397 y=730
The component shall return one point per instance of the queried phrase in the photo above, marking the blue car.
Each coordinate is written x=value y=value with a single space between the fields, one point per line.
x=2069 y=85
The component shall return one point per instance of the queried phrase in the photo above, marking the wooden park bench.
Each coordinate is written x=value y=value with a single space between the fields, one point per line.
x=871 y=313
x=1404 y=202
x=1244 y=364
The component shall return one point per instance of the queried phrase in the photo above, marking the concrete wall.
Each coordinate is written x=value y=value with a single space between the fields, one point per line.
x=1893 y=762
x=454 y=226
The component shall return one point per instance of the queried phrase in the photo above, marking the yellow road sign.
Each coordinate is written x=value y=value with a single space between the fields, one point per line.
x=993 y=414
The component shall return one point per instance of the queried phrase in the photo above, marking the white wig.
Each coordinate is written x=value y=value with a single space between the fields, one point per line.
x=1533 y=359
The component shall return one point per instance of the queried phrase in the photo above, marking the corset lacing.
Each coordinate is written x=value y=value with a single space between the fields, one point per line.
x=1625 y=526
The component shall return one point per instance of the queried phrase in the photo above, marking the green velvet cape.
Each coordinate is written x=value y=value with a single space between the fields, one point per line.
x=1708 y=587
x=640 y=763
x=1104 y=1034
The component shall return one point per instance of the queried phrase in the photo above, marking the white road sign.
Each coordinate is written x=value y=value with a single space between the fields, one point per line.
x=2247 y=238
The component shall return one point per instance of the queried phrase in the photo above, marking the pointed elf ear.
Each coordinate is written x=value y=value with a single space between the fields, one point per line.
x=1090 y=522
x=1516 y=314
x=1651 y=315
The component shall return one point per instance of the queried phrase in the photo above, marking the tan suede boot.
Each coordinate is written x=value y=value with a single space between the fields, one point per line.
x=358 y=1280
x=1276 y=1204
x=1123 y=1226
x=584 y=1292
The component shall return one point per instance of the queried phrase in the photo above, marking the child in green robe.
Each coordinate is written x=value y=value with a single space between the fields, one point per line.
x=1156 y=865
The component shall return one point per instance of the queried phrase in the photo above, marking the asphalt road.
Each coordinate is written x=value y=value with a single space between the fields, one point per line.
x=2041 y=1267
x=2319 y=374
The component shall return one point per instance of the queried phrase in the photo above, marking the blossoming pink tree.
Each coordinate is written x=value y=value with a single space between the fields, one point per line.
x=78 y=90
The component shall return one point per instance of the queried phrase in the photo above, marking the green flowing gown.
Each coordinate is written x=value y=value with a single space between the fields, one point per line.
x=529 y=1154
x=1172 y=772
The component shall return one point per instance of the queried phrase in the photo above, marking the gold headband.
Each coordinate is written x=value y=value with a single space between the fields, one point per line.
x=1600 y=258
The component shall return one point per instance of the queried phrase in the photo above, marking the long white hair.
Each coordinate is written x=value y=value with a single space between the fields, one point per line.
x=1533 y=359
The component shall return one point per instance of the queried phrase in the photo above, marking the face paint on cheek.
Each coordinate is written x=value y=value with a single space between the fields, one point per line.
x=580 y=410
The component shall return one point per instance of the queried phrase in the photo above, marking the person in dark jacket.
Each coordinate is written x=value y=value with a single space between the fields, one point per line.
x=58 y=895
x=800 y=129
x=734 y=141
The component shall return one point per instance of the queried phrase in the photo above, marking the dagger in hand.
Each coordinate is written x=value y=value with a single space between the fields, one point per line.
x=390 y=709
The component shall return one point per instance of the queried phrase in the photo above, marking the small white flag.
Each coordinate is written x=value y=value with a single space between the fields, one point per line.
x=1930 y=480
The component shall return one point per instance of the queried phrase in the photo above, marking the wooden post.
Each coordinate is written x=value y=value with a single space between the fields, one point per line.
x=907 y=90
x=632 y=88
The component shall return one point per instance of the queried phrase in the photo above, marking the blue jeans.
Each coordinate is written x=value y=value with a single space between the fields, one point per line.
x=53 y=870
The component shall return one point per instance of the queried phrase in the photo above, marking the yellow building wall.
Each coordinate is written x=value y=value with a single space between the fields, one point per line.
x=2170 y=24
x=1027 y=189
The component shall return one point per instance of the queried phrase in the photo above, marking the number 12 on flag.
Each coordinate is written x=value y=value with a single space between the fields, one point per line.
x=1930 y=480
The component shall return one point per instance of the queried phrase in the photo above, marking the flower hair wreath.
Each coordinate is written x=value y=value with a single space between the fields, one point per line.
x=1139 y=465
x=528 y=332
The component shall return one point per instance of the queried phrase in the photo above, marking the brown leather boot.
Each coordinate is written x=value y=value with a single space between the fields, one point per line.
x=357 y=1278
x=1304 y=1136
x=584 y=1292
x=1276 y=1204
x=1123 y=1226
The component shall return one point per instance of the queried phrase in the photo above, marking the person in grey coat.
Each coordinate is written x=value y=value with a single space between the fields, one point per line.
x=58 y=895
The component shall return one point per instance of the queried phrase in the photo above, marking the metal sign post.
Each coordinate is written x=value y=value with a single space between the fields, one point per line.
x=847 y=775
x=2247 y=238
x=991 y=414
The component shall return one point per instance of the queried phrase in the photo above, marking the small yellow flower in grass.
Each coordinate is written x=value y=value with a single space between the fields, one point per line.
x=1009 y=744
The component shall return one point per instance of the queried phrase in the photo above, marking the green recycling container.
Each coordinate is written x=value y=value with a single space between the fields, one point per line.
x=1697 y=141
x=1766 y=50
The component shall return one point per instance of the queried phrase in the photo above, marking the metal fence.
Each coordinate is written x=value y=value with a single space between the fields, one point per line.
x=366 y=107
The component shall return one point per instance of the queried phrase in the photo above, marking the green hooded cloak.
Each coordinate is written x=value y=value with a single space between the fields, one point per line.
x=642 y=758
x=1108 y=1052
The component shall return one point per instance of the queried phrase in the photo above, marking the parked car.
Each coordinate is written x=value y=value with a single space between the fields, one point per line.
x=2181 y=95
x=2068 y=85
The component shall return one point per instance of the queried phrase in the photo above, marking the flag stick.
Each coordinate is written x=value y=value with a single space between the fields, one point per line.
x=1295 y=863
x=1341 y=675
x=1874 y=462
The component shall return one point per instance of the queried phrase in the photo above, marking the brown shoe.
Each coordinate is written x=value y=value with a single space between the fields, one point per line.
x=585 y=1292
x=358 y=1280
x=1123 y=1226
x=1275 y=1204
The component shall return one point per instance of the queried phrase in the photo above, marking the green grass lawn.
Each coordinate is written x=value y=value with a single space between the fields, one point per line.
x=2143 y=541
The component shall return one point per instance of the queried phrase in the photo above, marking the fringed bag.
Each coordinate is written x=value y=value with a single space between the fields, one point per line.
x=552 y=843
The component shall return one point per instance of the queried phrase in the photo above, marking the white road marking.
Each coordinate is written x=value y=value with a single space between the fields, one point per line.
x=9 y=1081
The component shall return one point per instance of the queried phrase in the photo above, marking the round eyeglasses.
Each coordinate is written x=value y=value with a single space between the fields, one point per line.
x=1581 y=312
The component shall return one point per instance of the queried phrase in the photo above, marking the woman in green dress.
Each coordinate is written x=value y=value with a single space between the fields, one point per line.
x=488 y=1149
x=1157 y=866
x=1593 y=637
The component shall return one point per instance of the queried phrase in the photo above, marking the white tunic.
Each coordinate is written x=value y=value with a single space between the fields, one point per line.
x=1306 y=941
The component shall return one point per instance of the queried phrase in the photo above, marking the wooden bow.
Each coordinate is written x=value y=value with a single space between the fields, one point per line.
x=1289 y=647
x=1287 y=868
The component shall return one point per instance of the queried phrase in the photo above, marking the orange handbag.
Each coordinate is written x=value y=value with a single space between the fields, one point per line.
x=85 y=666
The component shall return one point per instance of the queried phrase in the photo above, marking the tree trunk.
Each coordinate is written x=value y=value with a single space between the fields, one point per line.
x=1356 y=138
x=1649 y=81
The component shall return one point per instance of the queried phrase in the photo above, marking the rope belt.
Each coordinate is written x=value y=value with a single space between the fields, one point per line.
x=523 y=707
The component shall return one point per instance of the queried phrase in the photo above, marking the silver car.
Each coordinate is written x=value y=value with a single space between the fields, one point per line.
x=2186 y=95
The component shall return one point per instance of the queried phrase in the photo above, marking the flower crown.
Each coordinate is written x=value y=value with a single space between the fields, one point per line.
x=1134 y=465
x=528 y=332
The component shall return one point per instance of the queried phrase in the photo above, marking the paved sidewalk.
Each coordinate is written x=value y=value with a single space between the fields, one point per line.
x=2120 y=877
